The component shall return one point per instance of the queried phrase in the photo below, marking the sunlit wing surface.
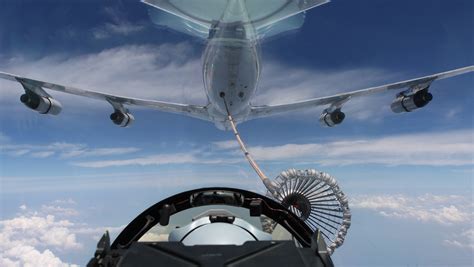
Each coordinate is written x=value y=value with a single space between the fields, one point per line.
x=117 y=102
x=339 y=99
x=199 y=16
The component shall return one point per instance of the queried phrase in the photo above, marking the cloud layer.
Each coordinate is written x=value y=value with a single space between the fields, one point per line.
x=62 y=150
x=454 y=212
x=450 y=148
x=465 y=240
x=36 y=237
x=28 y=240
x=447 y=210
x=191 y=157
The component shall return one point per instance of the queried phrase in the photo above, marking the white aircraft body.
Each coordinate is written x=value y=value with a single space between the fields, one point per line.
x=231 y=65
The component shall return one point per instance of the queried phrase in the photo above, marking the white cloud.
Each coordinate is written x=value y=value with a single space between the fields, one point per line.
x=465 y=240
x=450 y=148
x=25 y=255
x=452 y=113
x=121 y=28
x=142 y=71
x=43 y=154
x=98 y=152
x=68 y=201
x=230 y=144
x=447 y=209
x=460 y=244
x=38 y=230
x=59 y=211
x=283 y=84
x=157 y=159
x=33 y=237
x=445 y=215
x=160 y=159
x=19 y=152
x=119 y=25
x=63 y=150
x=26 y=241
x=298 y=84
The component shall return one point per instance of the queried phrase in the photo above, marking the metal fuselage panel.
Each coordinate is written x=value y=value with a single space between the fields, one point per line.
x=231 y=67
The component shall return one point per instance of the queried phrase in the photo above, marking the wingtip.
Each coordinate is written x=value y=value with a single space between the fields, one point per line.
x=8 y=76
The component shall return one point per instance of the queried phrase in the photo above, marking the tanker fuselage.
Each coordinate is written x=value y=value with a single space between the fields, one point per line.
x=231 y=67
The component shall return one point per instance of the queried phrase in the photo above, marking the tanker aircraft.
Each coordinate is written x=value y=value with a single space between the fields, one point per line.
x=233 y=30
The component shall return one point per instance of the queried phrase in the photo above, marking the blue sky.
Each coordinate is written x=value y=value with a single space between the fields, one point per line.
x=409 y=176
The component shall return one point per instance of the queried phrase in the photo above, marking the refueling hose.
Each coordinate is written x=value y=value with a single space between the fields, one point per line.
x=267 y=182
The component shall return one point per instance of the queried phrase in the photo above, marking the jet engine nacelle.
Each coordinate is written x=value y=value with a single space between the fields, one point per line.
x=409 y=102
x=122 y=119
x=41 y=104
x=331 y=119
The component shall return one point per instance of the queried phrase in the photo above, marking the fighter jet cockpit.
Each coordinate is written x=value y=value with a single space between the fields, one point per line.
x=120 y=142
x=215 y=227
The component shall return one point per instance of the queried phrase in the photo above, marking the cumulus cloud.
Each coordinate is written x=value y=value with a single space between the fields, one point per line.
x=38 y=230
x=442 y=209
x=35 y=237
x=25 y=255
x=26 y=241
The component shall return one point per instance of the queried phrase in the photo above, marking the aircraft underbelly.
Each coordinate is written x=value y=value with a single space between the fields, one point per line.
x=232 y=70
